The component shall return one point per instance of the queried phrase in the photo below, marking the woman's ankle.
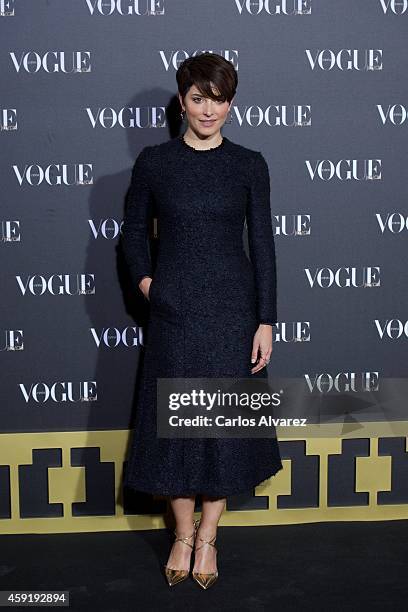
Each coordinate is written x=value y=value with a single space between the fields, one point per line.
x=207 y=532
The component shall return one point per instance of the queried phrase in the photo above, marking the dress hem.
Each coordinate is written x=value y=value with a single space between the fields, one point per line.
x=131 y=484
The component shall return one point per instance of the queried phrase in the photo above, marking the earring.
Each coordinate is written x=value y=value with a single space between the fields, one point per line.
x=182 y=115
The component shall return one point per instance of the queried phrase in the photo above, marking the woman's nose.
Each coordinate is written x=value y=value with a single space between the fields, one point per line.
x=208 y=109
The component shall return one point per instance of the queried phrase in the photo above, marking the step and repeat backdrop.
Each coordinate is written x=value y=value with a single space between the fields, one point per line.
x=86 y=84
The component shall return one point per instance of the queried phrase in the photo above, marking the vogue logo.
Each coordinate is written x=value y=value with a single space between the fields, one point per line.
x=60 y=391
x=53 y=61
x=107 y=228
x=55 y=174
x=126 y=7
x=298 y=331
x=293 y=225
x=345 y=169
x=10 y=231
x=13 y=340
x=343 y=382
x=394 y=222
x=367 y=276
x=273 y=115
x=177 y=57
x=8 y=119
x=393 y=328
x=283 y=7
x=6 y=8
x=128 y=117
x=396 y=114
x=113 y=337
x=57 y=284
x=398 y=7
x=345 y=59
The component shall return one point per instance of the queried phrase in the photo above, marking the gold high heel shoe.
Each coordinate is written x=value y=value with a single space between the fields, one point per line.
x=174 y=576
x=206 y=580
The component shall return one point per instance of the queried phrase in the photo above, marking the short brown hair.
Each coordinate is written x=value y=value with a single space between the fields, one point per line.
x=207 y=70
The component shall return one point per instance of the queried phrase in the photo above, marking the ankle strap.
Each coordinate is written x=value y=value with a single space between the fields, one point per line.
x=184 y=540
x=211 y=542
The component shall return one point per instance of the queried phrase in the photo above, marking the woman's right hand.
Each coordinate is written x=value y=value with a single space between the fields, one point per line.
x=144 y=286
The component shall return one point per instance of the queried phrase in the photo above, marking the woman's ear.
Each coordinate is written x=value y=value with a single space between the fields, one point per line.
x=180 y=100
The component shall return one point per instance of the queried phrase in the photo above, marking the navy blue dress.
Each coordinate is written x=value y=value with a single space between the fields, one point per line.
x=206 y=301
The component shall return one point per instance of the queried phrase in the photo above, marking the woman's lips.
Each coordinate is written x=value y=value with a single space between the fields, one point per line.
x=208 y=123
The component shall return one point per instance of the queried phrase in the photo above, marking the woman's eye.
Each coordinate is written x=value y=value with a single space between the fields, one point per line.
x=196 y=99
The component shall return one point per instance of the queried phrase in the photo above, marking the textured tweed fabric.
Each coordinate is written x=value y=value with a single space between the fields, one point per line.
x=206 y=301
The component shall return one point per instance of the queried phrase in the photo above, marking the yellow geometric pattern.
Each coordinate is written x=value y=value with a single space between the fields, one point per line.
x=67 y=484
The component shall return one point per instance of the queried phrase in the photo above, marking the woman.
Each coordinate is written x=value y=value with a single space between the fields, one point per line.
x=211 y=309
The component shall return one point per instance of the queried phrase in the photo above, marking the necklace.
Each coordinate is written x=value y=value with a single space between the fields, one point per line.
x=201 y=150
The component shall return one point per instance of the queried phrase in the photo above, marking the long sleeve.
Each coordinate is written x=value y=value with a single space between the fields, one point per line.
x=135 y=225
x=261 y=240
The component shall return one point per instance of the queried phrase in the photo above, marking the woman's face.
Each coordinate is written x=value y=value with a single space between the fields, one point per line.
x=204 y=115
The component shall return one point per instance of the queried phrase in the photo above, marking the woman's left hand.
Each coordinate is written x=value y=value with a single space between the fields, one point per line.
x=263 y=344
